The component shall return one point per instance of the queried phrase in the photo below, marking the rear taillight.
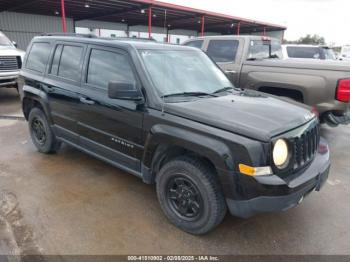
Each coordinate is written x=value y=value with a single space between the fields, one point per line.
x=343 y=90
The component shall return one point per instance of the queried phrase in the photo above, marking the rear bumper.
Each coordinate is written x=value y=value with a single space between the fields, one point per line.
x=289 y=194
x=335 y=120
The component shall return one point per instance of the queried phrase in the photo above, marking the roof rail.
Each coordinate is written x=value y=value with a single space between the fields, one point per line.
x=70 y=34
x=129 y=38
x=104 y=38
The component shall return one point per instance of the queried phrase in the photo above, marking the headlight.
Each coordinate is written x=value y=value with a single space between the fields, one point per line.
x=280 y=153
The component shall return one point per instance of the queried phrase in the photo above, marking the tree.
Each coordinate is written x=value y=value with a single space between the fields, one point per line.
x=312 y=40
x=308 y=40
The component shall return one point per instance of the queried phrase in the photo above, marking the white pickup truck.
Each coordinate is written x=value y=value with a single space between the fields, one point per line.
x=10 y=62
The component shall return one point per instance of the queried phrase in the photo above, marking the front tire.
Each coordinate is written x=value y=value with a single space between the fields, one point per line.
x=42 y=136
x=190 y=195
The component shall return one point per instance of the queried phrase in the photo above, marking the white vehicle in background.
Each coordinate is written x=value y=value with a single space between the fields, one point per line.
x=10 y=62
x=308 y=52
x=345 y=53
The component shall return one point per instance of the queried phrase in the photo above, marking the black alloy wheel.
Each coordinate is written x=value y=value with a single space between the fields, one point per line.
x=184 y=198
x=39 y=131
x=190 y=194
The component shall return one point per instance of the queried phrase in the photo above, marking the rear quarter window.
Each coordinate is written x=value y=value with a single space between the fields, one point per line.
x=38 y=57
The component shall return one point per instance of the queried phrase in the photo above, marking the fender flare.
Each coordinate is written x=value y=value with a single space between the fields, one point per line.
x=162 y=137
x=38 y=96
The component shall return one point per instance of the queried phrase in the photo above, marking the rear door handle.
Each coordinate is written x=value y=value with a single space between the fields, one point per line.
x=87 y=101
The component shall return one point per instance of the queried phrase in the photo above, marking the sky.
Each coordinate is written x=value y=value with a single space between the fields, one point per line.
x=327 y=18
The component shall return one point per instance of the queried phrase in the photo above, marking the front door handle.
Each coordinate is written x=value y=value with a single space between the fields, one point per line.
x=87 y=101
x=230 y=72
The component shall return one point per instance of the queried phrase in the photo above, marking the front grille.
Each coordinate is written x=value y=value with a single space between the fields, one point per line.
x=305 y=146
x=8 y=63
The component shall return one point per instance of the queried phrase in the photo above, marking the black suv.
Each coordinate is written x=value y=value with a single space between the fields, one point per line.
x=169 y=115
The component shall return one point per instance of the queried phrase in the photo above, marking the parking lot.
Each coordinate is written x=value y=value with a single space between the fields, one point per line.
x=71 y=203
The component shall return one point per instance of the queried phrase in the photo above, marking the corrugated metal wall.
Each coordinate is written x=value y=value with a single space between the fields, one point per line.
x=21 y=28
x=274 y=34
x=101 y=24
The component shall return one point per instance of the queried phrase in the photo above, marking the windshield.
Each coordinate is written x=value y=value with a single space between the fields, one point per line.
x=4 y=40
x=183 y=72
x=260 y=49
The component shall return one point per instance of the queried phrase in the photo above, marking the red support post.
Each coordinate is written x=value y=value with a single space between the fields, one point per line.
x=238 y=28
x=63 y=14
x=167 y=35
x=150 y=22
x=203 y=26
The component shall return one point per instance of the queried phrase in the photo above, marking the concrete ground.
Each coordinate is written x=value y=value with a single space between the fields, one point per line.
x=71 y=203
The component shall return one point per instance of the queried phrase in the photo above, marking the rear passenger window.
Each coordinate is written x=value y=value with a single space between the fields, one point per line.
x=69 y=66
x=106 y=66
x=223 y=50
x=197 y=43
x=38 y=57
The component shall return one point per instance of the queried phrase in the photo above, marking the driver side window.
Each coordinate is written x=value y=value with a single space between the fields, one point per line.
x=106 y=66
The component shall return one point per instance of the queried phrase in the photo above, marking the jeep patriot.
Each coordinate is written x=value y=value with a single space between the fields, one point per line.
x=170 y=116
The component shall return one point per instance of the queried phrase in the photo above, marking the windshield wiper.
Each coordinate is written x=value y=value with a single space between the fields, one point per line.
x=223 y=90
x=187 y=94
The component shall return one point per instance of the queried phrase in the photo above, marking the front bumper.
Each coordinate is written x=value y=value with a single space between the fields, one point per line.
x=8 y=78
x=277 y=194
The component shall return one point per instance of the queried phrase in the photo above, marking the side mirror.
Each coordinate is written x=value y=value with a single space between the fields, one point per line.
x=124 y=91
x=14 y=43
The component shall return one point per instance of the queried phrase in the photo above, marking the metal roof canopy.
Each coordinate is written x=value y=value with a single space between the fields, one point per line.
x=142 y=12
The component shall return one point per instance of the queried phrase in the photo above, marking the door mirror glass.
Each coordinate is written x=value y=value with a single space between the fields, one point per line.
x=14 y=43
x=123 y=91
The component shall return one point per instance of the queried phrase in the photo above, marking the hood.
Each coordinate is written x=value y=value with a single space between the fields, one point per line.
x=248 y=113
x=10 y=51
x=332 y=65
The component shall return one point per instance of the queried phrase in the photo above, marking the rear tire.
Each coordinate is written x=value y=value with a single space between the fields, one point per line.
x=190 y=195
x=42 y=136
